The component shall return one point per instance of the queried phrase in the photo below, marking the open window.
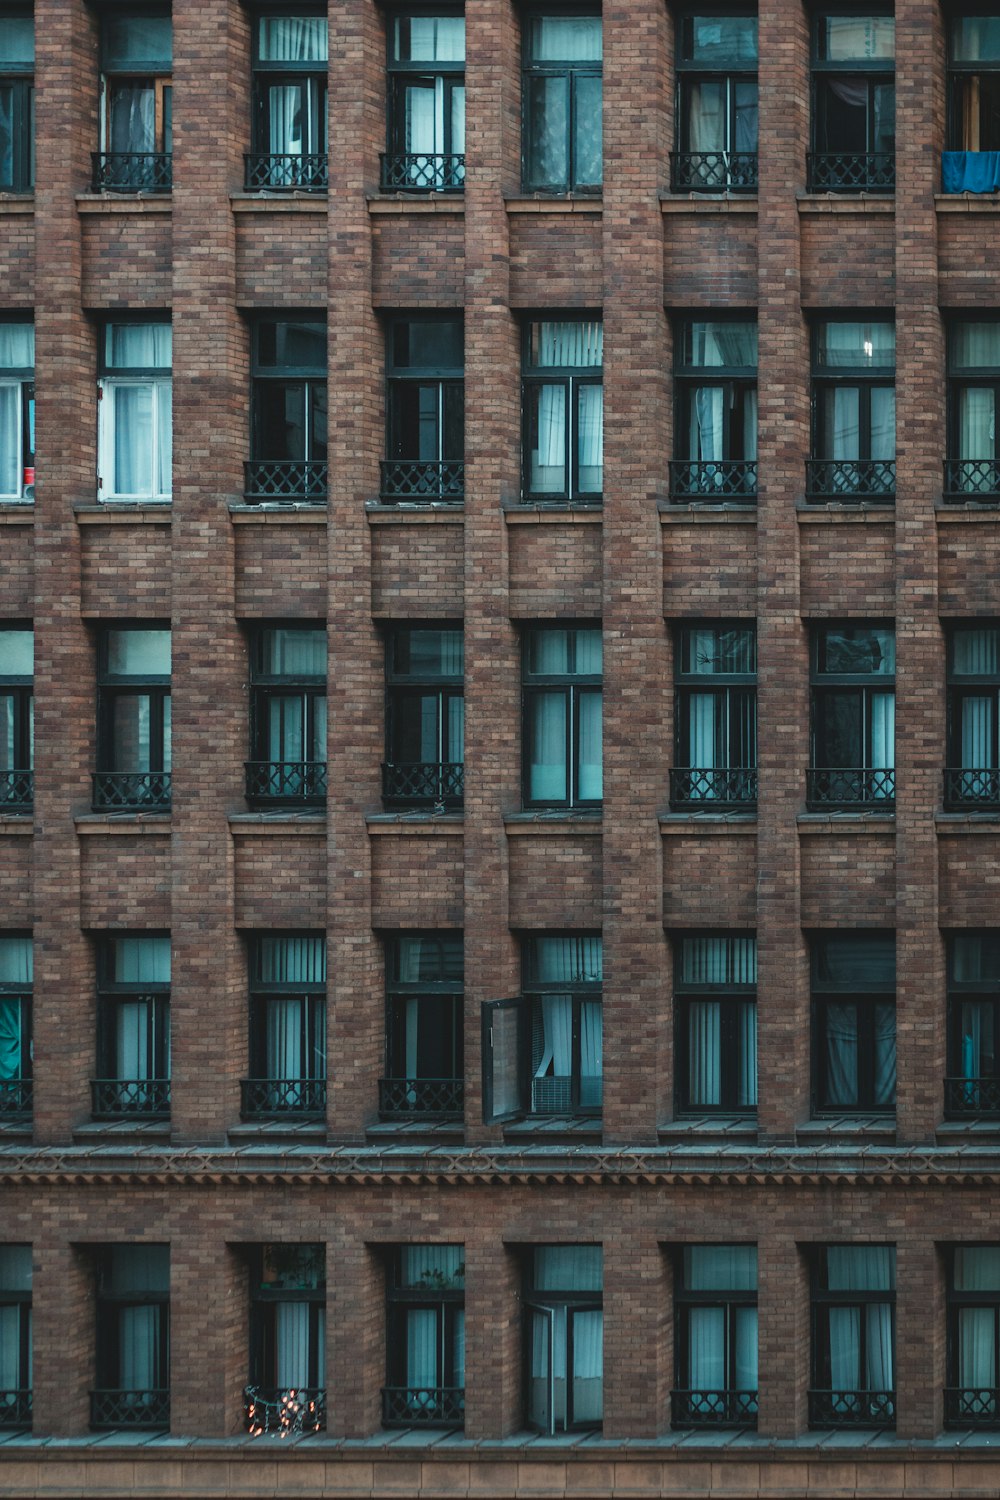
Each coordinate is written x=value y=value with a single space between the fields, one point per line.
x=17 y=410
x=854 y=103
x=135 y=452
x=136 y=108
x=970 y=163
x=564 y=1337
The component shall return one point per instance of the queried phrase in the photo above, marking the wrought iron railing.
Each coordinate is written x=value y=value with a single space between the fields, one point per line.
x=971 y=787
x=713 y=789
x=308 y=173
x=971 y=1407
x=112 y=1098
x=419 y=479
x=131 y=791
x=442 y=1098
x=852 y=1408
x=291 y=480
x=423 y=1406
x=850 y=478
x=714 y=479
x=851 y=786
x=16 y=1096
x=17 y=791
x=132 y=171
x=423 y=783
x=972 y=479
x=269 y=1098
x=286 y=783
x=971 y=1096
x=713 y=1408
x=113 y=1409
x=713 y=171
x=851 y=171
x=15 y=1409
x=421 y=172
x=286 y=1413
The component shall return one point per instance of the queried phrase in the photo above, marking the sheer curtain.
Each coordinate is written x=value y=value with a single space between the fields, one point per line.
x=842 y=1053
x=133 y=120
x=706 y=430
x=132 y=1040
x=977 y=1269
x=549 y=758
x=139 y=1349
x=591 y=1053
x=975 y=653
x=590 y=438
x=293 y=39
x=885 y=1053
x=707 y=116
x=865 y=1268
x=286 y=118
x=747 y=1095
x=11 y=1043
x=590 y=769
x=10 y=1349
x=588 y=1364
x=883 y=734
x=567 y=1268
x=704 y=1053
x=10 y=438
x=292 y=1345
x=707 y=1349
x=422 y=1340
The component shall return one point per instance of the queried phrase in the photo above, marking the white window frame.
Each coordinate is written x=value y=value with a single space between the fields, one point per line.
x=106 y=477
x=18 y=384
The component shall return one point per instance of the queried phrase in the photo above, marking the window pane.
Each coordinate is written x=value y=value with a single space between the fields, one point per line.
x=565 y=960
x=299 y=39
x=132 y=117
x=860 y=1268
x=281 y=419
x=7 y=98
x=429 y=39
x=588 y=169
x=132 y=413
x=883 y=422
x=569 y=1268
x=139 y=653
x=856 y=345
x=140 y=960
x=576 y=345
x=294 y=653
x=131 y=42
x=715 y=40
x=590 y=439
x=293 y=1267
x=549 y=446
x=720 y=1268
x=435 y=1267
x=139 y=346
x=704 y=1053
x=706 y=649
x=130 y=742
x=977 y=1268
x=565 y=39
x=589 y=731
x=856 y=960
x=428 y=343
x=16 y=960
x=293 y=960
x=721 y=961
x=588 y=1365
x=17 y=41
x=139 y=1268
x=975 y=957
x=17 y=653
x=547 y=146
x=850 y=38
x=975 y=345
x=428 y=653
x=721 y=344
x=15 y=1268
x=292 y=346
x=977 y=429
x=858 y=650
x=17 y=346
x=548 y=750
x=976 y=39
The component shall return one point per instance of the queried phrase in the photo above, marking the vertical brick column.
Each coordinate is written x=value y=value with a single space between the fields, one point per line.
x=782 y=988
x=355 y=1338
x=62 y=1330
x=355 y=688
x=492 y=478
x=920 y=664
x=209 y=1319
x=493 y=1330
x=921 y=1338
x=783 y=1332
x=636 y=677
x=66 y=417
x=638 y=1335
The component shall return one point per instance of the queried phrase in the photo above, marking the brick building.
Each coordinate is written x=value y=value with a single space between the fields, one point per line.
x=499 y=941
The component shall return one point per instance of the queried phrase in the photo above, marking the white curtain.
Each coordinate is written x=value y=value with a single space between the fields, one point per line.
x=977 y=1355
x=142 y=960
x=720 y=1268
x=566 y=39
x=976 y=652
x=433 y=38
x=976 y=424
x=590 y=438
x=577 y=344
x=11 y=1039
x=569 y=1268
x=295 y=653
x=132 y=1049
x=286 y=119
x=590 y=771
x=424 y=117
x=569 y=960
x=141 y=437
x=850 y=345
x=548 y=459
x=423 y=1263
x=422 y=1367
x=719 y=344
x=293 y=39
x=845 y=1349
x=883 y=422
x=704 y=1052
x=976 y=39
x=591 y=1053
x=138 y=1348
x=858 y=38
x=977 y=1268
x=10 y=439
x=883 y=730
x=133 y=120
x=549 y=759
x=17 y=346
x=707 y=1349
x=140 y=346
x=844 y=430
x=707 y=118
x=879 y=1376
x=975 y=345
x=557 y=1037
x=977 y=732
x=292 y=1344
x=707 y=430
x=746 y=1348
x=588 y=1365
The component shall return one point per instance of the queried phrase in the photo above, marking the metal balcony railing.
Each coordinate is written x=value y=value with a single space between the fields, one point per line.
x=287 y=1413
x=851 y=787
x=286 y=783
x=423 y=784
x=293 y=481
x=713 y=1408
x=971 y=1408
x=17 y=791
x=283 y=1098
x=850 y=479
x=286 y=171
x=713 y=789
x=965 y=1097
x=131 y=791
x=713 y=171
x=16 y=1096
x=851 y=171
x=421 y=1098
x=15 y=1410
x=968 y=788
x=416 y=1406
x=113 y=1409
x=852 y=1408
x=714 y=479
x=115 y=1098
x=132 y=171
x=419 y=479
x=972 y=479
x=421 y=172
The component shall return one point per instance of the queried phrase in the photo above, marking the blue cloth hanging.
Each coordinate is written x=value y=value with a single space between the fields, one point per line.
x=970 y=171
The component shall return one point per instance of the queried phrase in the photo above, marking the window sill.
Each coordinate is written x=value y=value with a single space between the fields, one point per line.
x=875 y=1128
x=274 y=824
x=124 y=822
x=708 y=203
x=708 y=822
x=416 y=823
x=863 y=202
x=969 y=822
x=444 y=1132
x=20 y=825
x=124 y=513
x=17 y=513
x=706 y=512
x=841 y=822
x=554 y=203
x=966 y=510
x=554 y=821
x=279 y=201
x=104 y=1130
x=691 y=1130
x=424 y=513
x=12 y=204
x=270 y=1130
x=555 y=1127
x=426 y=202
x=976 y=1129
x=551 y=512
x=284 y=513
x=966 y=203
x=123 y=203
x=845 y=511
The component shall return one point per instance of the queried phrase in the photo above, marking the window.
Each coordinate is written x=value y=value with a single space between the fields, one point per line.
x=290 y=126
x=716 y=104
x=542 y=1051
x=854 y=1315
x=562 y=716
x=16 y=975
x=15 y=1335
x=425 y=717
x=425 y=1346
x=425 y=408
x=133 y=1338
x=853 y=717
x=136 y=112
x=426 y=86
x=854 y=104
x=563 y=411
x=288 y=413
x=133 y=1028
x=971 y=1396
x=971 y=471
x=972 y=1087
x=561 y=93
x=287 y=1390
x=715 y=1307
x=17 y=719
x=288 y=717
x=135 y=431
x=715 y=998
x=17 y=407
x=287 y=1028
x=854 y=412
x=17 y=103
x=973 y=131
x=715 y=672
x=972 y=779
x=133 y=714
x=565 y=1337
x=715 y=423
x=854 y=1023
x=423 y=1027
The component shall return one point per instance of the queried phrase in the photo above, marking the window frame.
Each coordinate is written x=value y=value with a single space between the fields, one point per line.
x=19 y=687
x=973 y=1099
x=737 y=383
x=866 y=379
x=959 y=687
x=873 y=72
x=154 y=996
x=575 y=685
x=959 y=379
x=24 y=994
x=824 y=683
x=313 y=79
x=448 y=689
x=112 y=688
x=17 y=1415
x=865 y=997
x=266 y=378
x=446 y=1302
x=313 y=1042
x=571 y=72
x=956 y=71
x=450 y=74
x=822 y=1299
x=264 y=686
x=263 y=1301
x=571 y=378
x=731 y=996
x=141 y=71
x=109 y=1304
x=689 y=71
x=729 y=1300
x=545 y=1300
x=956 y=1301
x=443 y=477
x=21 y=378
x=20 y=79
x=118 y=377
x=724 y=687
x=398 y=991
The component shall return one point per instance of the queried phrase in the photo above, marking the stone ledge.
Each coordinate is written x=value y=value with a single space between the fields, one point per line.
x=277 y=515
x=542 y=205
x=395 y=515
x=558 y=824
x=303 y=825
x=133 y=825
x=840 y=203
x=12 y=204
x=516 y=514
x=416 y=825
x=402 y=203
x=131 y=203
x=293 y=203
x=17 y=513
x=705 y=512
x=22 y=827
x=708 y=203
x=841 y=514
x=712 y=825
x=832 y=823
x=124 y=514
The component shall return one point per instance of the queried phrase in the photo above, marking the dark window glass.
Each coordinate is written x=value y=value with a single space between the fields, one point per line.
x=561 y=93
x=289 y=103
x=973 y=388
x=288 y=412
x=715 y=994
x=134 y=719
x=424 y=1025
x=854 y=103
x=854 y=1315
x=133 y=1338
x=715 y=430
x=562 y=716
x=715 y=1300
x=425 y=1337
x=715 y=675
x=16 y=977
x=972 y=1086
x=17 y=103
x=17 y=719
x=15 y=1332
x=853 y=716
x=136 y=103
x=425 y=438
x=287 y=1390
x=973 y=775
x=974 y=84
x=971 y=1396
x=133 y=1027
x=426 y=88
x=854 y=410
x=425 y=718
x=564 y=1312
x=854 y=1023
x=288 y=715
x=716 y=104
x=287 y=1026
x=563 y=410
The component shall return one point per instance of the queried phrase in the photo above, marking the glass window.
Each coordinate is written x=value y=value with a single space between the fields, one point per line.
x=287 y=1027
x=17 y=719
x=972 y=778
x=425 y=1343
x=17 y=103
x=853 y=717
x=425 y=717
x=854 y=1315
x=565 y=1337
x=562 y=987
x=288 y=716
x=136 y=104
x=16 y=977
x=854 y=1023
x=715 y=995
x=970 y=1398
x=971 y=470
x=854 y=104
x=135 y=429
x=854 y=411
x=562 y=716
x=424 y=1025
x=133 y=1028
x=133 y=720
x=15 y=1330
x=286 y=1394
x=561 y=93
x=17 y=406
x=426 y=87
x=974 y=88
x=133 y=1338
x=716 y=104
x=715 y=676
x=715 y=428
x=972 y=1087
x=288 y=412
x=715 y=1301
x=425 y=430
x=289 y=104
x=563 y=411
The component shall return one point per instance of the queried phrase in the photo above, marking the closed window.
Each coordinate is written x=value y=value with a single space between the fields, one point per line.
x=134 y=720
x=17 y=407
x=425 y=437
x=286 y=1394
x=290 y=122
x=288 y=716
x=133 y=1338
x=715 y=672
x=17 y=719
x=854 y=1334
x=854 y=104
x=716 y=104
x=133 y=1028
x=563 y=411
x=853 y=717
x=562 y=716
x=564 y=1309
x=715 y=423
x=136 y=104
x=972 y=779
x=561 y=93
x=426 y=86
x=971 y=469
x=16 y=977
x=425 y=717
x=287 y=1027
x=425 y=1338
x=288 y=412
x=715 y=1304
x=854 y=412
x=715 y=998
x=972 y=1087
x=854 y=1023
x=971 y=1395
x=15 y=1335
x=424 y=1026
x=17 y=102
x=135 y=392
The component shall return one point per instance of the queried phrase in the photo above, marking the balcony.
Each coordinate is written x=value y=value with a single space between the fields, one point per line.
x=851 y=479
x=286 y=783
x=113 y=1410
x=421 y=481
x=131 y=791
x=421 y=1098
x=852 y=1409
x=966 y=1098
x=713 y=171
x=851 y=172
x=286 y=481
x=972 y=479
x=15 y=1411
x=129 y=1098
x=713 y=789
x=713 y=1409
x=16 y=1096
x=851 y=788
x=283 y=1099
x=734 y=480
x=413 y=1406
x=972 y=1408
x=421 y=172
x=132 y=171
x=423 y=784
x=286 y=172
x=285 y=1413
x=17 y=791
x=967 y=789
